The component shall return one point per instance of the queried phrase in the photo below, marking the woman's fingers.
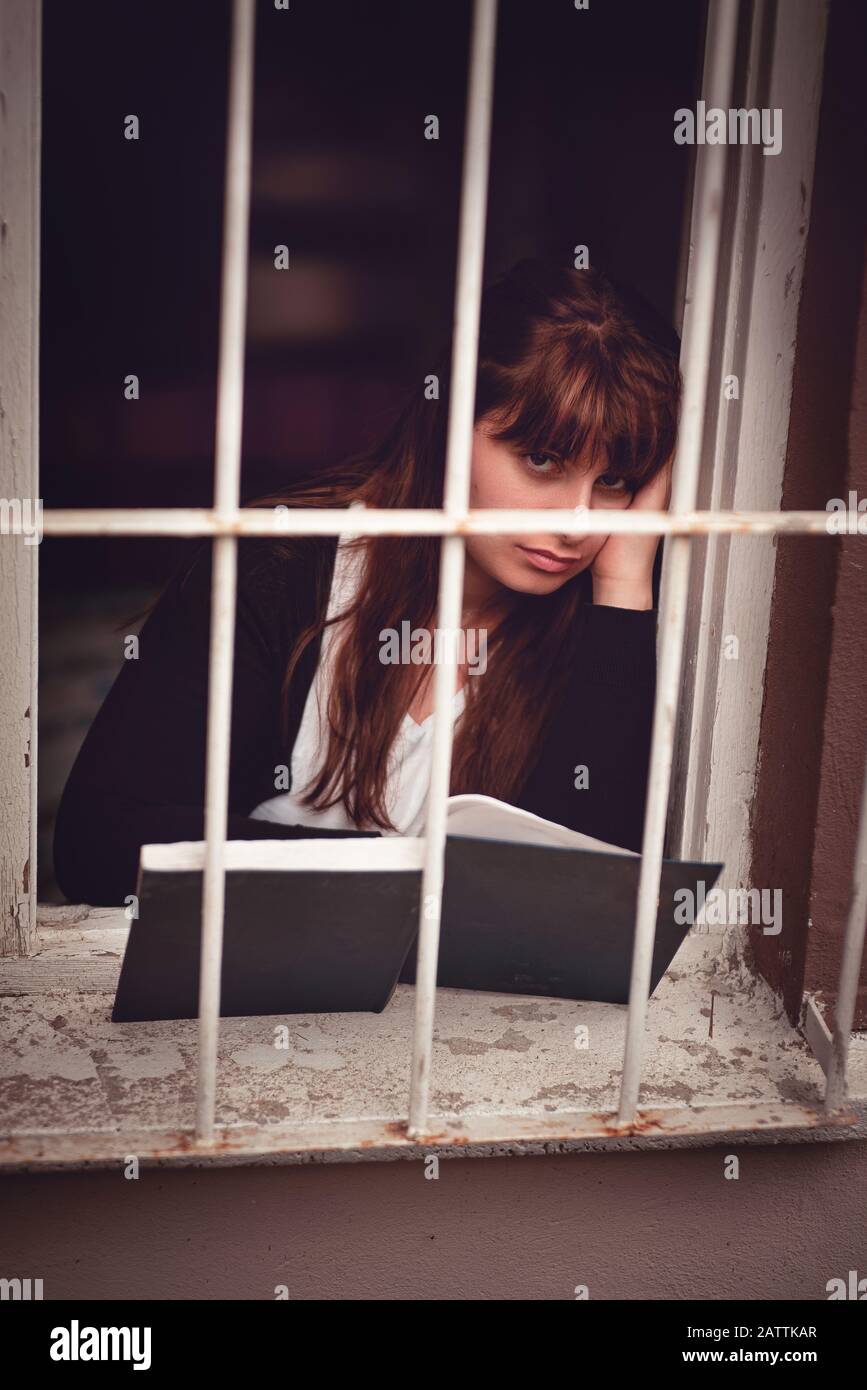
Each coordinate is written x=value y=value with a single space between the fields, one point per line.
x=656 y=493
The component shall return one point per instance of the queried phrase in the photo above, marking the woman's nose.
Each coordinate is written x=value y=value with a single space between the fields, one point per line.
x=575 y=538
x=580 y=494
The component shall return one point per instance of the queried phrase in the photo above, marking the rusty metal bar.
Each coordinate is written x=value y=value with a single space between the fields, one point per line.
x=850 y=967
x=230 y=400
x=467 y=1136
x=35 y=438
x=698 y=328
x=316 y=521
x=468 y=292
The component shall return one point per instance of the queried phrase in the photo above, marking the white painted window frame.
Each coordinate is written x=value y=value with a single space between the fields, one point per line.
x=754 y=338
x=20 y=149
x=683 y=524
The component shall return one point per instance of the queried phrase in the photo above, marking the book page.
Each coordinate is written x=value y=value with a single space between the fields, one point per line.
x=485 y=818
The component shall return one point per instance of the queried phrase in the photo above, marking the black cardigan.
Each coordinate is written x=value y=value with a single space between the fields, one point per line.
x=139 y=777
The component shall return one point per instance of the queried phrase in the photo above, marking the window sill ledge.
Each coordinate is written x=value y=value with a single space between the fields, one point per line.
x=78 y=1091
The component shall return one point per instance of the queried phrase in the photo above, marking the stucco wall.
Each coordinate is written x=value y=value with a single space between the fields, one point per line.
x=658 y=1225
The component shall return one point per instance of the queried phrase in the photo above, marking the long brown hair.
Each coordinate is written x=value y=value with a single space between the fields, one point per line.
x=567 y=359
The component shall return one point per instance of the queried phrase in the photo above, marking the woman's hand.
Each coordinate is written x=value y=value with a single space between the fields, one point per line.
x=623 y=568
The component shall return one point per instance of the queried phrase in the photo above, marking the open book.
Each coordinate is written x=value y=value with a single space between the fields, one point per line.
x=477 y=817
x=485 y=818
x=330 y=925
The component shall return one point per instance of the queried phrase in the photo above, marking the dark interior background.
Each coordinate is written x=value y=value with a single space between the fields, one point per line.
x=582 y=152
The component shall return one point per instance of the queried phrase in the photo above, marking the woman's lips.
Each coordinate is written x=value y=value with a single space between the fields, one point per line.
x=547 y=560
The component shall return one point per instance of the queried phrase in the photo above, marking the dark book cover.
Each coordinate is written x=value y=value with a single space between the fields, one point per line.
x=517 y=918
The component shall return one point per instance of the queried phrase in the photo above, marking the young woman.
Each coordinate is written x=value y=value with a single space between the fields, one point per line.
x=577 y=401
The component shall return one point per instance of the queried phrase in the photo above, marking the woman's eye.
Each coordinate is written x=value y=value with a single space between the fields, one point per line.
x=543 y=464
x=609 y=482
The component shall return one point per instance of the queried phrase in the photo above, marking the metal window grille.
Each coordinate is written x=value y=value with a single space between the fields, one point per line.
x=225 y=522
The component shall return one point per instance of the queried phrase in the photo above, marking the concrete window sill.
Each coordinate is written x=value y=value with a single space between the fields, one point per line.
x=721 y=1059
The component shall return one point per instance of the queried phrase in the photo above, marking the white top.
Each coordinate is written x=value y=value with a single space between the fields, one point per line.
x=409 y=760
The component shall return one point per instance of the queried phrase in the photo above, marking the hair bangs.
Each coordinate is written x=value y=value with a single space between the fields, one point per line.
x=583 y=399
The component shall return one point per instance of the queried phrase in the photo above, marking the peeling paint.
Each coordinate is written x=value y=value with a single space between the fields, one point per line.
x=536 y=1012
x=70 y=1079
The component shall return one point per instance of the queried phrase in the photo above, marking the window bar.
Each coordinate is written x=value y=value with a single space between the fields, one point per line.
x=230 y=398
x=698 y=327
x=468 y=289
x=34 y=558
x=397 y=521
x=850 y=967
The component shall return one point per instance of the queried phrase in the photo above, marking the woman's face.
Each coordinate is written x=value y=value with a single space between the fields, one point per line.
x=502 y=478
